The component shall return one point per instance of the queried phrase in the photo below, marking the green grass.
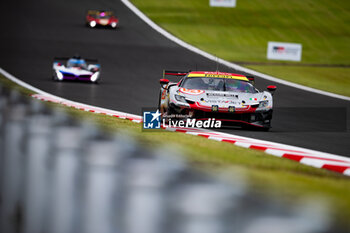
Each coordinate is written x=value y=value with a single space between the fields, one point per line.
x=271 y=175
x=335 y=80
x=242 y=33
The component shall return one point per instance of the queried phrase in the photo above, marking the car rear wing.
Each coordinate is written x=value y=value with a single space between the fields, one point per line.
x=92 y=12
x=91 y=60
x=96 y=12
x=61 y=58
x=67 y=58
x=174 y=73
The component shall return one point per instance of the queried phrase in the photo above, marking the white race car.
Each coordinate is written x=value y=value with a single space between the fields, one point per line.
x=228 y=97
x=76 y=68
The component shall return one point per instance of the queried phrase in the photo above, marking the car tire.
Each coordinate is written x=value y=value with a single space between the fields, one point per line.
x=170 y=110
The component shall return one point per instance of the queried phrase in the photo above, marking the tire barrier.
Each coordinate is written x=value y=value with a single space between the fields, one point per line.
x=61 y=175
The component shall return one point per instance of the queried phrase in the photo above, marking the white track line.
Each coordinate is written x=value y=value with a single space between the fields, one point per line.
x=222 y=61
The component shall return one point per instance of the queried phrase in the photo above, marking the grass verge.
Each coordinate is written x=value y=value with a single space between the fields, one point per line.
x=242 y=33
x=275 y=176
x=336 y=80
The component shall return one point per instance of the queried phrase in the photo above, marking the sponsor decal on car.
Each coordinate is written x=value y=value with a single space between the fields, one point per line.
x=217 y=75
x=191 y=91
x=219 y=102
x=222 y=95
x=163 y=95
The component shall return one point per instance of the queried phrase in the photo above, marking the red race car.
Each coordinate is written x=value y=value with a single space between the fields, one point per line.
x=96 y=18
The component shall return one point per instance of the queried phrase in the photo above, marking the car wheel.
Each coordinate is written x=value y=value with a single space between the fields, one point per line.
x=169 y=111
x=265 y=129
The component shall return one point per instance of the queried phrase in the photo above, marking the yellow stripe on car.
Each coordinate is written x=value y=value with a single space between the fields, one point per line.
x=218 y=76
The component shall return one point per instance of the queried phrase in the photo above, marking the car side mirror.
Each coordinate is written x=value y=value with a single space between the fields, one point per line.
x=163 y=81
x=271 y=89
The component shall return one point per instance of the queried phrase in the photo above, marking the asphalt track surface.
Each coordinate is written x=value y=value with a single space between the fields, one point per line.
x=132 y=59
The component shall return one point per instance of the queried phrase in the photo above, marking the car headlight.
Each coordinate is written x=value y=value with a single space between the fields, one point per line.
x=59 y=75
x=94 y=77
x=92 y=24
x=263 y=105
x=114 y=24
x=180 y=98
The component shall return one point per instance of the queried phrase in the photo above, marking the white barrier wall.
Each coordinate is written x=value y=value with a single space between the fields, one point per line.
x=284 y=51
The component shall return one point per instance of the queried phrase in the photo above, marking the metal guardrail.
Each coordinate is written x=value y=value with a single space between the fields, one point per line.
x=58 y=175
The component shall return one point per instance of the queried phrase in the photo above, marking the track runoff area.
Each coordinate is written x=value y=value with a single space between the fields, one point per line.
x=287 y=92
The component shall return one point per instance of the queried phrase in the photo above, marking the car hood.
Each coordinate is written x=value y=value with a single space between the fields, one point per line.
x=223 y=99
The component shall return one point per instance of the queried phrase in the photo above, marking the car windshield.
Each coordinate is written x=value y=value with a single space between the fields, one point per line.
x=76 y=63
x=218 y=84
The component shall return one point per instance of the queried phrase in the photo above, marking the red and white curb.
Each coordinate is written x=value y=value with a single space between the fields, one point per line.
x=89 y=108
x=305 y=156
x=313 y=158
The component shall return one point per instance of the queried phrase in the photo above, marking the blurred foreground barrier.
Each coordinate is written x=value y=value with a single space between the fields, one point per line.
x=63 y=176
